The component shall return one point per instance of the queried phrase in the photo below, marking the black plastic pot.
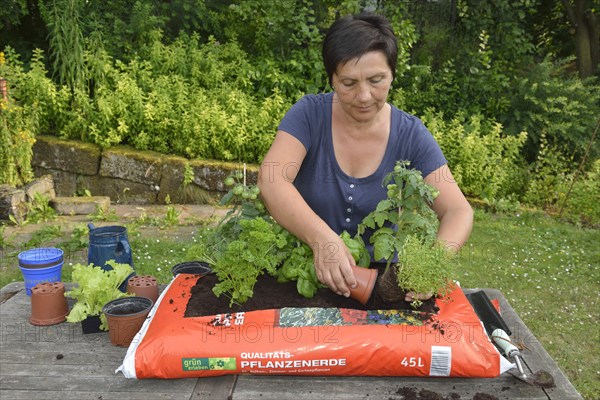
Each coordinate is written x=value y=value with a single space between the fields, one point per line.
x=192 y=267
x=91 y=324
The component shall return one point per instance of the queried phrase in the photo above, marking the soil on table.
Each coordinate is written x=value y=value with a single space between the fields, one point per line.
x=269 y=294
x=411 y=393
x=484 y=396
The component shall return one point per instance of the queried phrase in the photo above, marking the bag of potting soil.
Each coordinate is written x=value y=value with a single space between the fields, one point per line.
x=310 y=341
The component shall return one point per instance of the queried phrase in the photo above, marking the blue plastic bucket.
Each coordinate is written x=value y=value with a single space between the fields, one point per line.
x=40 y=265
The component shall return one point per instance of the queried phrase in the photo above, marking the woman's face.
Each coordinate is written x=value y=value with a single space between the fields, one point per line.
x=362 y=85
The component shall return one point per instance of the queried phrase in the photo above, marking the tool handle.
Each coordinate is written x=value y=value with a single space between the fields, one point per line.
x=487 y=313
x=503 y=341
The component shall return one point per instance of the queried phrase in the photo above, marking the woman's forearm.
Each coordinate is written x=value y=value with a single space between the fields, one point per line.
x=455 y=227
x=289 y=209
x=452 y=208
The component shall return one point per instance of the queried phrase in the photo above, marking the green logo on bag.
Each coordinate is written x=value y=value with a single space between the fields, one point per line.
x=203 y=363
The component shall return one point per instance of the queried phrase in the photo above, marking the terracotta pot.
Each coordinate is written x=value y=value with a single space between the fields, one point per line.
x=365 y=278
x=143 y=286
x=125 y=317
x=48 y=304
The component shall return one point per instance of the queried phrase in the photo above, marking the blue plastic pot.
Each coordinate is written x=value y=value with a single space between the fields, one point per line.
x=40 y=265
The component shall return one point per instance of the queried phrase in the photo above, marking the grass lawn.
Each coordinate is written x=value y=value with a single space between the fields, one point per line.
x=550 y=274
x=549 y=271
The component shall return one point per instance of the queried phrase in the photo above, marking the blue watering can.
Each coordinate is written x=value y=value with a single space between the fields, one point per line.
x=109 y=243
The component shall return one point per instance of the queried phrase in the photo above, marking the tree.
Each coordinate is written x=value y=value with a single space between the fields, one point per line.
x=66 y=42
x=586 y=25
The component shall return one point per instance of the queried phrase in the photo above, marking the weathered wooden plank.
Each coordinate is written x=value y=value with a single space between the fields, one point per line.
x=10 y=290
x=93 y=394
x=58 y=369
x=100 y=383
x=16 y=328
x=349 y=388
x=206 y=388
x=12 y=287
x=19 y=309
x=17 y=305
x=50 y=358
x=34 y=341
x=218 y=387
x=18 y=301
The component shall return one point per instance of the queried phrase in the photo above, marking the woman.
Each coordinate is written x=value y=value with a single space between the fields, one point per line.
x=323 y=173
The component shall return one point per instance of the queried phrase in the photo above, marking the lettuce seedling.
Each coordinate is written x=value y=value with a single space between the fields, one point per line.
x=96 y=287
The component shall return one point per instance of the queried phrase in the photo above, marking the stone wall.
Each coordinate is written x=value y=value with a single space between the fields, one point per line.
x=13 y=201
x=129 y=176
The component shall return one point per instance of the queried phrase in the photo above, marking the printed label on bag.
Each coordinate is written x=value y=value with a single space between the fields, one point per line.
x=441 y=361
x=213 y=363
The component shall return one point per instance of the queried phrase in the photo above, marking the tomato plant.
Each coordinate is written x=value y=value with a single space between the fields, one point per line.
x=404 y=225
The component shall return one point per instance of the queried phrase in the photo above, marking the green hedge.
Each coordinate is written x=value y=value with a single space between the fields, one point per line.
x=198 y=100
x=484 y=162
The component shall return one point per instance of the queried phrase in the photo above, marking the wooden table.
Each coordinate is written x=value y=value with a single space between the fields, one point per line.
x=59 y=362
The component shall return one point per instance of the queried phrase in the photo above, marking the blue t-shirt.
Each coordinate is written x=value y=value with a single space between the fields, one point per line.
x=340 y=200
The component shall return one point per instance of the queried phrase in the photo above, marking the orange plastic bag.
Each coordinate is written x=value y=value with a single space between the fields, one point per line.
x=310 y=341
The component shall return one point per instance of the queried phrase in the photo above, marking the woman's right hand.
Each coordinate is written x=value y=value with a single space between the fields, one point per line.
x=333 y=263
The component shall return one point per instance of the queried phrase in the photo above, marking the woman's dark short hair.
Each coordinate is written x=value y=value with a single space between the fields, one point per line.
x=355 y=35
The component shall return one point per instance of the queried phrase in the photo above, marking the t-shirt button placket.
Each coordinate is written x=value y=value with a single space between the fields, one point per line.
x=349 y=209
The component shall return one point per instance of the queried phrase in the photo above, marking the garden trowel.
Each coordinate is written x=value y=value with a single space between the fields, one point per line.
x=541 y=378
x=497 y=329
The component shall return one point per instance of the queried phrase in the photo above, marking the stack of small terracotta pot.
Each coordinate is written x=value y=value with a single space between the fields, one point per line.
x=143 y=286
x=48 y=304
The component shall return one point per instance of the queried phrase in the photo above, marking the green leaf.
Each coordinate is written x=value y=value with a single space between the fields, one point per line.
x=289 y=271
x=306 y=288
x=380 y=218
x=357 y=249
x=383 y=243
x=384 y=205
x=226 y=198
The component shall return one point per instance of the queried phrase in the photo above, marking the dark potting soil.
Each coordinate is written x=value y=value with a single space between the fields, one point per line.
x=269 y=294
x=429 y=395
x=409 y=393
x=126 y=309
x=484 y=396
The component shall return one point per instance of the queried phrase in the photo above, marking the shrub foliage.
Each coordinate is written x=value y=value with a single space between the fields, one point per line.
x=208 y=79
